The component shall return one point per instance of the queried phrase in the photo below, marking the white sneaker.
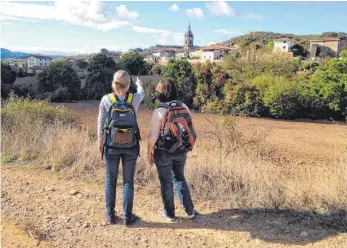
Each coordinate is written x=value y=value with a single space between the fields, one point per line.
x=193 y=215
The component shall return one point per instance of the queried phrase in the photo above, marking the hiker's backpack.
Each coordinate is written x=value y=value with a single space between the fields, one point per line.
x=121 y=128
x=181 y=135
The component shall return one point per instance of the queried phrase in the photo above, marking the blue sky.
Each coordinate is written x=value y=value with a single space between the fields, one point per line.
x=84 y=27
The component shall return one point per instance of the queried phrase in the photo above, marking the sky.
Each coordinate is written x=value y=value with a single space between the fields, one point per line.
x=86 y=27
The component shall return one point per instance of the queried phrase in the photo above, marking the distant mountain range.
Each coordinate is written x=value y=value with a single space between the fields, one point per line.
x=7 y=54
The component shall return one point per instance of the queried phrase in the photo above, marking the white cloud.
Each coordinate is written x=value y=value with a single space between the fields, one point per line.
x=74 y=12
x=174 y=7
x=89 y=14
x=123 y=12
x=195 y=12
x=231 y=32
x=114 y=24
x=221 y=9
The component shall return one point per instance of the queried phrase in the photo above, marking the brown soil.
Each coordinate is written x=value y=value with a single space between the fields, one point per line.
x=40 y=202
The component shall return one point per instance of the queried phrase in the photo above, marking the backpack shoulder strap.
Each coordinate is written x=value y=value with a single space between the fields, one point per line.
x=112 y=98
x=164 y=105
x=130 y=98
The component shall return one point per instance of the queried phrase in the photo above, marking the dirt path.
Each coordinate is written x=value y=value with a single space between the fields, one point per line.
x=41 y=203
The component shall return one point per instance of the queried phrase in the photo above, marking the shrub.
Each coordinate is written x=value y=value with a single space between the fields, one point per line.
x=283 y=98
x=246 y=99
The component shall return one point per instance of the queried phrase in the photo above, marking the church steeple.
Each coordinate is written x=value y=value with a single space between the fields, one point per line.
x=188 y=38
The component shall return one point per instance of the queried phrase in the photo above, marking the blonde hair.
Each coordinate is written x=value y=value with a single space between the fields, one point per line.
x=121 y=77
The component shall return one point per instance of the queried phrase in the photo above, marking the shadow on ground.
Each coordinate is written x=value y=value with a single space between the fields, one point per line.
x=276 y=226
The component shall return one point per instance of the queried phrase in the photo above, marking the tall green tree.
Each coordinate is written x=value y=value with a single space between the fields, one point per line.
x=181 y=71
x=60 y=74
x=99 y=80
x=135 y=64
x=328 y=87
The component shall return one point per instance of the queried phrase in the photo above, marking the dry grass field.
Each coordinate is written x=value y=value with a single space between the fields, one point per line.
x=257 y=183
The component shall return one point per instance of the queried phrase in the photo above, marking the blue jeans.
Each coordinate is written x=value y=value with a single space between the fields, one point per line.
x=171 y=171
x=113 y=157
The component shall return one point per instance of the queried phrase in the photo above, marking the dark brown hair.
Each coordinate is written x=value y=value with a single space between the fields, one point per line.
x=167 y=87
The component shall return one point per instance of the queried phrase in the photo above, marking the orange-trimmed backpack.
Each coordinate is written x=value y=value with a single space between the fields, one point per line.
x=181 y=135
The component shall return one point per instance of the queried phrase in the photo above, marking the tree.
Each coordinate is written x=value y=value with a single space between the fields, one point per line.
x=99 y=80
x=81 y=63
x=7 y=75
x=328 y=87
x=135 y=64
x=60 y=75
x=181 y=71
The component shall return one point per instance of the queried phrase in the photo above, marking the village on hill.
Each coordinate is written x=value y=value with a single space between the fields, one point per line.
x=319 y=48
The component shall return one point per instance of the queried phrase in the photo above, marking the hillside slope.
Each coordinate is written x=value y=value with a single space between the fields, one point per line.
x=263 y=38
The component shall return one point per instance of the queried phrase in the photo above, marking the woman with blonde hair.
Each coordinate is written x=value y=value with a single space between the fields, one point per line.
x=119 y=143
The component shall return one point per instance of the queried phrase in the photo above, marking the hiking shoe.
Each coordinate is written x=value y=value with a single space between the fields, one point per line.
x=193 y=215
x=111 y=220
x=129 y=221
x=162 y=213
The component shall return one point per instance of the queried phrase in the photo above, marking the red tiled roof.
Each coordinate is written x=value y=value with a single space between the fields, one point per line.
x=215 y=47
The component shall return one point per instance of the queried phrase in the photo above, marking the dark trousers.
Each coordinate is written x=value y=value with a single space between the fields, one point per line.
x=113 y=158
x=170 y=168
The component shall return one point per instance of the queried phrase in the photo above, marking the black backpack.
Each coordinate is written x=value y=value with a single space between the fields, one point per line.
x=121 y=129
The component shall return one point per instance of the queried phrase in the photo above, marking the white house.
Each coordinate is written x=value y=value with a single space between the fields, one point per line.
x=195 y=54
x=38 y=60
x=152 y=58
x=164 y=54
x=182 y=54
x=214 y=52
x=283 y=44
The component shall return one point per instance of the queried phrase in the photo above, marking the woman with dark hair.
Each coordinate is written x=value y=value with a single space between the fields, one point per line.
x=170 y=158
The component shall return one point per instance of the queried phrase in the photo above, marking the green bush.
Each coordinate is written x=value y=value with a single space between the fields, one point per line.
x=283 y=98
x=17 y=108
x=245 y=99
x=328 y=89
